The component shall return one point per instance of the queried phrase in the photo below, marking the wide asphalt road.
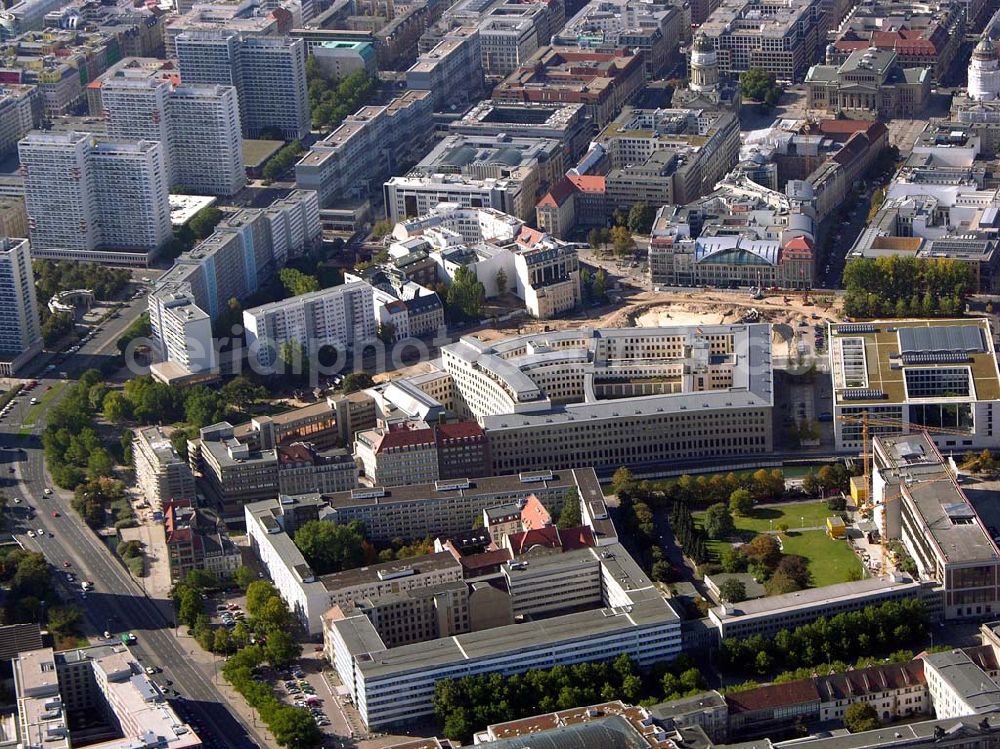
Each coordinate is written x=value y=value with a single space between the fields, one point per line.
x=117 y=602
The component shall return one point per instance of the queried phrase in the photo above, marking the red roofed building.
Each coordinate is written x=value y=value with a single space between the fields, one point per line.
x=603 y=81
x=195 y=542
x=767 y=710
x=548 y=540
x=413 y=452
x=534 y=515
x=578 y=200
x=931 y=40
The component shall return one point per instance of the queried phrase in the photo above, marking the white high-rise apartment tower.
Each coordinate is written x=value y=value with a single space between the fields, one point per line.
x=198 y=125
x=269 y=74
x=206 y=141
x=273 y=86
x=58 y=194
x=130 y=183
x=20 y=331
x=81 y=196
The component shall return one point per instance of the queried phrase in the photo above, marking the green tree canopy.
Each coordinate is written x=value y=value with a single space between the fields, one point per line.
x=760 y=85
x=718 y=521
x=331 y=547
x=466 y=295
x=733 y=590
x=859 y=717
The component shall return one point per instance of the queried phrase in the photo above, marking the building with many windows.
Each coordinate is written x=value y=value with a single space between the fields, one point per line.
x=781 y=38
x=82 y=196
x=342 y=316
x=623 y=613
x=452 y=71
x=197 y=541
x=614 y=397
x=268 y=72
x=922 y=36
x=160 y=472
x=919 y=503
x=740 y=234
x=451 y=506
x=939 y=374
x=417 y=453
x=183 y=331
x=603 y=82
x=197 y=125
x=353 y=161
x=102 y=686
x=663 y=156
x=653 y=27
x=768 y=615
x=131 y=186
x=870 y=84
x=535 y=267
x=241 y=256
x=20 y=329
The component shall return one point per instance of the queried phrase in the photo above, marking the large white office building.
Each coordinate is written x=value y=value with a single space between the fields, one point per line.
x=909 y=374
x=269 y=74
x=198 y=125
x=611 y=397
x=342 y=317
x=83 y=196
x=20 y=332
x=396 y=685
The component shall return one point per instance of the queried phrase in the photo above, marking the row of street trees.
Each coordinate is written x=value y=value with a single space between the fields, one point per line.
x=845 y=636
x=474 y=701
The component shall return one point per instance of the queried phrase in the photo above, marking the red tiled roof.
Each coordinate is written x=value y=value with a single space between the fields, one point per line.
x=296 y=453
x=587 y=182
x=529 y=237
x=551 y=537
x=457 y=430
x=799 y=243
x=831 y=127
x=534 y=514
x=485 y=560
x=854 y=148
x=558 y=195
x=874 y=679
x=773 y=696
x=983 y=656
x=405 y=437
x=904 y=41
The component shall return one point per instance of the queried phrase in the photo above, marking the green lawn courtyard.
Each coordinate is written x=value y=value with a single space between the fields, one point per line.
x=794 y=514
x=830 y=561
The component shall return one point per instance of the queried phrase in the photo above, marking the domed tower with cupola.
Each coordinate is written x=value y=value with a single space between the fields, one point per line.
x=984 y=72
x=704 y=65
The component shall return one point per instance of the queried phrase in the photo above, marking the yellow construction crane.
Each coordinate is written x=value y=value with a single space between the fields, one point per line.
x=899 y=426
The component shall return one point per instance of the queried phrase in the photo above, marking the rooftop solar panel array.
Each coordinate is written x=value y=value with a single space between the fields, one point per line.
x=857 y=327
x=941 y=339
x=947 y=357
x=866 y=394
